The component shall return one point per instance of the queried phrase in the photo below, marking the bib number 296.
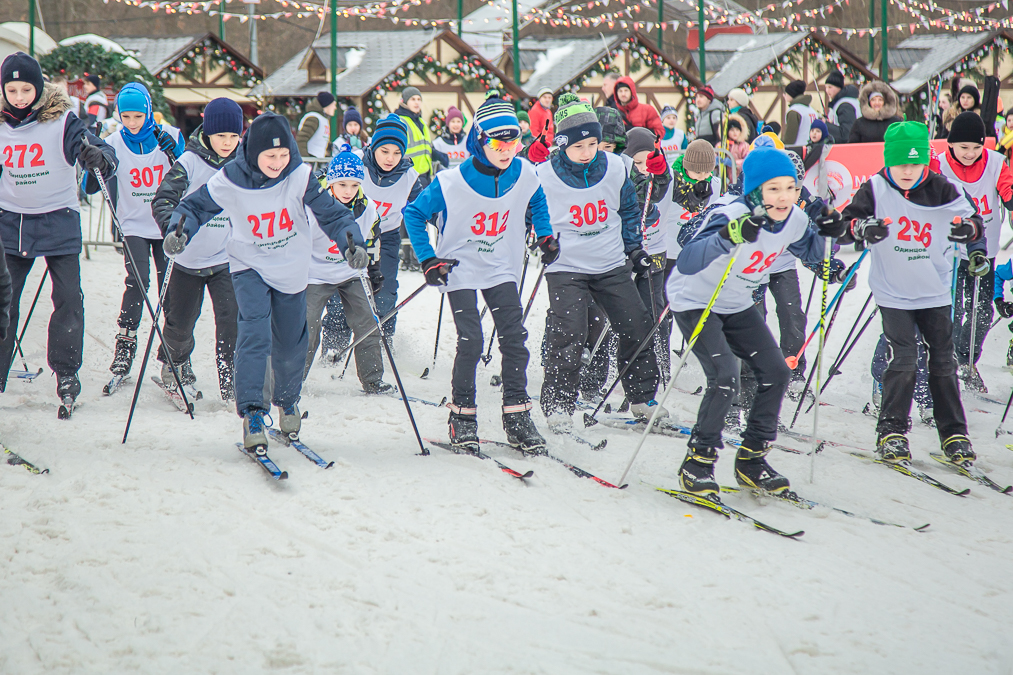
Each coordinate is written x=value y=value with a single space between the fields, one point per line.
x=589 y=214
x=267 y=220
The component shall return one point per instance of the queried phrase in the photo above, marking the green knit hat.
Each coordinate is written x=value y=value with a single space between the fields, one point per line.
x=906 y=143
x=575 y=121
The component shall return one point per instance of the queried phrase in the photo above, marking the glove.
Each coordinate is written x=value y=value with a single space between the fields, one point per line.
x=852 y=282
x=166 y=144
x=375 y=277
x=964 y=230
x=641 y=261
x=173 y=244
x=538 y=151
x=656 y=164
x=1004 y=308
x=357 y=258
x=437 y=270
x=831 y=224
x=746 y=228
x=550 y=249
x=977 y=264
x=92 y=159
x=702 y=189
x=870 y=229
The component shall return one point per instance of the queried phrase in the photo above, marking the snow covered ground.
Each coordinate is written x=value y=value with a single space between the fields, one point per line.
x=176 y=554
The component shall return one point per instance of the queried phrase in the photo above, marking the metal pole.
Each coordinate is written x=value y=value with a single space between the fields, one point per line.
x=884 y=62
x=221 y=20
x=253 y=35
x=460 y=17
x=661 y=24
x=872 y=24
x=703 y=35
x=334 y=66
x=517 y=50
x=31 y=28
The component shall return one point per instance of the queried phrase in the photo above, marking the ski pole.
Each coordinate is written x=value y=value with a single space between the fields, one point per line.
x=534 y=292
x=974 y=321
x=436 y=343
x=31 y=310
x=833 y=372
x=998 y=430
x=151 y=335
x=643 y=234
x=953 y=285
x=601 y=338
x=384 y=320
x=487 y=357
x=137 y=279
x=809 y=302
x=847 y=338
x=812 y=371
x=348 y=359
x=819 y=353
x=682 y=360
x=386 y=346
x=792 y=361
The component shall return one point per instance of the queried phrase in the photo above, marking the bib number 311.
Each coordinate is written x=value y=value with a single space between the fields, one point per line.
x=267 y=220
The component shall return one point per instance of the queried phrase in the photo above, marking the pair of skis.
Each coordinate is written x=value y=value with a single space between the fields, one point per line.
x=291 y=441
x=14 y=459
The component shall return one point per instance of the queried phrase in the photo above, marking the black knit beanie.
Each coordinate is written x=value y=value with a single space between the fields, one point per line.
x=20 y=67
x=967 y=127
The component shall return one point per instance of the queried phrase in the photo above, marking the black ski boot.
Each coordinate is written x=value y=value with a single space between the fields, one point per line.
x=696 y=475
x=463 y=424
x=969 y=375
x=378 y=387
x=126 y=347
x=957 y=449
x=68 y=387
x=893 y=448
x=520 y=430
x=752 y=471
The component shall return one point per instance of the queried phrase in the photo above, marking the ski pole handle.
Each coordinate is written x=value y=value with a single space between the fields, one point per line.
x=351 y=243
x=179 y=225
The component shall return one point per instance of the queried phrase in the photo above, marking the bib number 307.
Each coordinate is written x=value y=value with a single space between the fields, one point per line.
x=589 y=214
x=267 y=220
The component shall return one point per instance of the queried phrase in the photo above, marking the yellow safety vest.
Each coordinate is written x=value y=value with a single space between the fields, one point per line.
x=420 y=146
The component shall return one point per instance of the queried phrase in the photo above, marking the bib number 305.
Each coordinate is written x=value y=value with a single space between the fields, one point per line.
x=589 y=214
x=267 y=220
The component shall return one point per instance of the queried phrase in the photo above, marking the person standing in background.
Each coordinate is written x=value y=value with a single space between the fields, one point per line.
x=674 y=140
x=353 y=134
x=453 y=140
x=96 y=104
x=540 y=115
x=842 y=106
x=420 y=144
x=738 y=104
x=314 y=135
x=879 y=105
x=708 y=126
x=800 y=114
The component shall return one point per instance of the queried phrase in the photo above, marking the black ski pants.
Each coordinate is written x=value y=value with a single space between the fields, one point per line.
x=964 y=309
x=505 y=306
x=132 y=308
x=181 y=316
x=614 y=292
x=66 y=325
x=901 y=328
x=724 y=340
x=656 y=282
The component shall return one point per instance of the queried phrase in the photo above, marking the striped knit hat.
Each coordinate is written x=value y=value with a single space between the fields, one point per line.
x=575 y=121
x=496 y=119
x=390 y=129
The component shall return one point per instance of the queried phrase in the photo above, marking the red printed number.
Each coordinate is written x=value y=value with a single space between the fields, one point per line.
x=756 y=258
x=913 y=230
x=267 y=219
x=590 y=214
x=35 y=149
x=982 y=204
x=382 y=208
x=490 y=224
x=146 y=176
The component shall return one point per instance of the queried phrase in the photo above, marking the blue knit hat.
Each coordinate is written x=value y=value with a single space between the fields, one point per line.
x=345 y=165
x=223 y=116
x=390 y=129
x=763 y=164
x=496 y=118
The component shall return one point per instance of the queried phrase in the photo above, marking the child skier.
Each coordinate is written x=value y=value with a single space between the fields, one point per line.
x=266 y=192
x=453 y=141
x=593 y=207
x=481 y=248
x=766 y=222
x=989 y=182
x=910 y=279
x=145 y=151
x=330 y=274
x=39 y=208
x=205 y=263
x=674 y=141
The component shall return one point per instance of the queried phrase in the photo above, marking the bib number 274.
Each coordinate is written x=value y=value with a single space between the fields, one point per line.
x=267 y=220
x=589 y=214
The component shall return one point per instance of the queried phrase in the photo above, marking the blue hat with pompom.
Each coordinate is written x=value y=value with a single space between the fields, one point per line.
x=345 y=165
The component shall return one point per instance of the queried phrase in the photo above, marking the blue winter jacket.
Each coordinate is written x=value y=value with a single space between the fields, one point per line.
x=1003 y=273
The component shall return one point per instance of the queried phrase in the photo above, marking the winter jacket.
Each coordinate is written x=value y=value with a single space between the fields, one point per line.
x=541 y=122
x=309 y=126
x=639 y=114
x=708 y=127
x=484 y=179
x=751 y=130
x=682 y=188
x=435 y=156
x=1003 y=273
x=1004 y=143
x=388 y=178
x=792 y=121
x=740 y=148
x=56 y=232
x=585 y=175
x=952 y=112
x=871 y=126
x=846 y=116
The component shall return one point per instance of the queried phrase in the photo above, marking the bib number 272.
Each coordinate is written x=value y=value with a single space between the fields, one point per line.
x=589 y=214
x=267 y=220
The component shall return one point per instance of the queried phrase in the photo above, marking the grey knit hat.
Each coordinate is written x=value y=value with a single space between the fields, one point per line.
x=408 y=92
x=575 y=121
x=699 y=157
x=639 y=139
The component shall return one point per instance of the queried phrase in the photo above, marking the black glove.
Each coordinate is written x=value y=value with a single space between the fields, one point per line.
x=375 y=277
x=1004 y=308
x=831 y=224
x=437 y=270
x=964 y=230
x=871 y=230
x=91 y=158
x=641 y=261
x=852 y=282
x=550 y=249
x=166 y=144
x=742 y=229
x=702 y=190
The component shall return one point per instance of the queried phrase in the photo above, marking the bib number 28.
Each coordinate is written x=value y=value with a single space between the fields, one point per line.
x=267 y=220
x=589 y=214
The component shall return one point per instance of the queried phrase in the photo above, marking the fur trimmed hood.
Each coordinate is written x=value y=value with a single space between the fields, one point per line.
x=53 y=103
x=890 y=101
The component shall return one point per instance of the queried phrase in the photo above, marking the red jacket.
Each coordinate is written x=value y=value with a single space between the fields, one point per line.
x=638 y=114
x=539 y=116
x=971 y=174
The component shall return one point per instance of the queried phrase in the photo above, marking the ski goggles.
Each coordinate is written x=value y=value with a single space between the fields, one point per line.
x=501 y=145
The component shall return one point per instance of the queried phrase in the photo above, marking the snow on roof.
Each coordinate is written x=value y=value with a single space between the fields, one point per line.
x=939 y=52
x=483 y=28
x=750 y=54
x=156 y=53
x=562 y=59
x=105 y=43
x=369 y=57
x=16 y=33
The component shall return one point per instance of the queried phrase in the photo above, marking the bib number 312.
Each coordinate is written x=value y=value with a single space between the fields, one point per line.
x=267 y=219
x=590 y=213
x=490 y=224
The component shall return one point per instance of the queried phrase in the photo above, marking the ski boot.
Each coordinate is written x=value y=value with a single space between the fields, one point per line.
x=186 y=376
x=126 y=347
x=68 y=388
x=957 y=449
x=254 y=432
x=696 y=475
x=927 y=416
x=463 y=423
x=893 y=448
x=1009 y=357
x=752 y=471
x=559 y=422
x=378 y=387
x=290 y=420
x=409 y=262
x=969 y=375
x=644 y=411
x=520 y=430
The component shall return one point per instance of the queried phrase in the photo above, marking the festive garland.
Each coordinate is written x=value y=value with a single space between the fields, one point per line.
x=437 y=121
x=773 y=71
x=210 y=53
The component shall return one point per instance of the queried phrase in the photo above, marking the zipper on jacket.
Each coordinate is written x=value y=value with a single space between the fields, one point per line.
x=587 y=167
x=21 y=225
x=495 y=180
